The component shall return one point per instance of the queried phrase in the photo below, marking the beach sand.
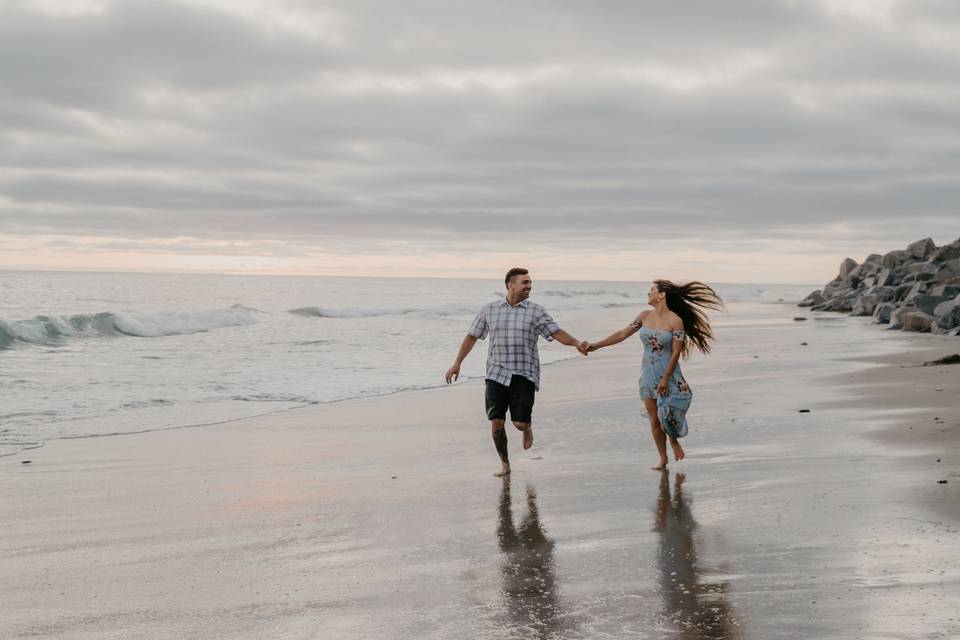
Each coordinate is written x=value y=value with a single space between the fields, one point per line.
x=379 y=517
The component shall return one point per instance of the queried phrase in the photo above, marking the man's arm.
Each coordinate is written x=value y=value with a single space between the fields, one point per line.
x=454 y=372
x=563 y=337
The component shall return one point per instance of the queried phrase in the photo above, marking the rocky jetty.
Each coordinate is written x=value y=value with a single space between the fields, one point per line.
x=913 y=289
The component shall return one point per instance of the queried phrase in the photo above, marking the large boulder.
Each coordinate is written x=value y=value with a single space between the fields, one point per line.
x=916 y=289
x=848 y=265
x=884 y=294
x=864 y=305
x=947 y=252
x=896 y=316
x=922 y=248
x=883 y=311
x=814 y=298
x=948 y=313
x=916 y=321
x=893 y=259
x=927 y=303
x=885 y=277
x=946 y=291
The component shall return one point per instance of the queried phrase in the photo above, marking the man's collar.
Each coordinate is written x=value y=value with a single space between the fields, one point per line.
x=523 y=303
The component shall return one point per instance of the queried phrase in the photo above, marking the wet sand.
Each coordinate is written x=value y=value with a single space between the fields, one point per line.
x=379 y=518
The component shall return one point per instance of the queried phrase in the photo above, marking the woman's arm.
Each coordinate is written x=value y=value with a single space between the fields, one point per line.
x=663 y=388
x=618 y=336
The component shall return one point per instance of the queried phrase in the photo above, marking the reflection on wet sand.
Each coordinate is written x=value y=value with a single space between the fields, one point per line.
x=530 y=589
x=696 y=610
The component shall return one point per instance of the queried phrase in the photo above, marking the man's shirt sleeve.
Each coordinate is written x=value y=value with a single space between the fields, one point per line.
x=546 y=326
x=479 y=328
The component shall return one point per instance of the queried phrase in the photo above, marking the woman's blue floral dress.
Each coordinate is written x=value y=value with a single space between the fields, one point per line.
x=672 y=407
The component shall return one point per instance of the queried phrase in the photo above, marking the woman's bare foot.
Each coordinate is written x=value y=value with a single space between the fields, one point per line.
x=505 y=471
x=528 y=437
x=661 y=466
x=678 y=453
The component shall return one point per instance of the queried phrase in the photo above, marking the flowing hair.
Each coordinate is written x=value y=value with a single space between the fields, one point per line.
x=689 y=301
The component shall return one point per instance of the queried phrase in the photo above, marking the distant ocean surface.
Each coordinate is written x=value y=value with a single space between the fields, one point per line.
x=87 y=354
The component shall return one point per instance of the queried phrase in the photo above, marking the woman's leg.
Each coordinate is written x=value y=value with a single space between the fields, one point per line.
x=678 y=453
x=659 y=437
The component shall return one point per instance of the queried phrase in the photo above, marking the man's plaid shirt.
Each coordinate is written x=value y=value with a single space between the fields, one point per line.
x=513 y=338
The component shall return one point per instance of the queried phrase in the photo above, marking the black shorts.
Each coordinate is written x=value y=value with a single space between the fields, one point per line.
x=518 y=397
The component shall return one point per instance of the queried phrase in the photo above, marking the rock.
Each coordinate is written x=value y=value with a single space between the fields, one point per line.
x=917 y=289
x=815 y=297
x=885 y=277
x=947 y=252
x=948 y=291
x=917 y=321
x=848 y=265
x=922 y=248
x=884 y=294
x=864 y=305
x=896 y=316
x=855 y=275
x=799 y=319
x=927 y=303
x=952 y=265
x=883 y=311
x=893 y=259
x=948 y=313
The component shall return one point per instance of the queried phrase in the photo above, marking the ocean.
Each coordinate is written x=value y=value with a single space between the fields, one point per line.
x=93 y=354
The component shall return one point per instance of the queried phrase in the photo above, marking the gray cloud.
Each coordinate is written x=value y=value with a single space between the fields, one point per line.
x=447 y=122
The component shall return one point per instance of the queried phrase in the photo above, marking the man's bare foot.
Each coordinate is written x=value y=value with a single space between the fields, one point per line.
x=661 y=466
x=678 y=453
x=528 y=437
x=505 y=471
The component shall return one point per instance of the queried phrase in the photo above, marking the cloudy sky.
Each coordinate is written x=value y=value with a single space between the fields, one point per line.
x=738 y=141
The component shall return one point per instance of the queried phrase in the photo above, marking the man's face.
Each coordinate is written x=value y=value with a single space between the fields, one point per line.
x=519 y=287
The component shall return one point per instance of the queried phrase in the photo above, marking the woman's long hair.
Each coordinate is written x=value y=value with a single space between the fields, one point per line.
x=689 y=301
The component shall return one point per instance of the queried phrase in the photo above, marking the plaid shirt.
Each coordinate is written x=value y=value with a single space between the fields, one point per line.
x=513 y=338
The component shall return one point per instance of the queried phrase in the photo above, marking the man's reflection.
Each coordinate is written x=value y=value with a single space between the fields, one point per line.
x=697 y=610
x=527 y=568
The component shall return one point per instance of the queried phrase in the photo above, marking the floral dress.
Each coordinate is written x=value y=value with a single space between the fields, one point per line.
x=671 y=407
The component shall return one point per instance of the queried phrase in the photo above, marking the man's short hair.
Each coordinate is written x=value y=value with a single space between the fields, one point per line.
x=516 y=271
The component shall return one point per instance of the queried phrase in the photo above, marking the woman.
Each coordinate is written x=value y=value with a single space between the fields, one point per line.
x=677 y=319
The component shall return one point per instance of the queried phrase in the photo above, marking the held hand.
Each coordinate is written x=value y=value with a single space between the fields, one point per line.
x=453 y=373
x=584 y=348
x=663 y=388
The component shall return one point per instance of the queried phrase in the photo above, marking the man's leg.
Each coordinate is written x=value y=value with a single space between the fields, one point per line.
x=497 y=428
x=497 y=397
x=522 y=394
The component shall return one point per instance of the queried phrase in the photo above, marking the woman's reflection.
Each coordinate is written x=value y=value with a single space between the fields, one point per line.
x=527 y=568
x=697 y=610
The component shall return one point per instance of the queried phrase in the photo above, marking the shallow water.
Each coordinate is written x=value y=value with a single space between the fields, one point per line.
x=97 y=353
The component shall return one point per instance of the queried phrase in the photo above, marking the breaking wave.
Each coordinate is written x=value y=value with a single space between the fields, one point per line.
x=56 y=329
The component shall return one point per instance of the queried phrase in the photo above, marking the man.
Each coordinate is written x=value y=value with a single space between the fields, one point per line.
x=513 y=363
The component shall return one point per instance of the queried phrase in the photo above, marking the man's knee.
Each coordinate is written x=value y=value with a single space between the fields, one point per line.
x=496 y=425
x=521 y=426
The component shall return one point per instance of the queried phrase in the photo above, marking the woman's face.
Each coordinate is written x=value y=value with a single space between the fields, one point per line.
x=653 y=294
